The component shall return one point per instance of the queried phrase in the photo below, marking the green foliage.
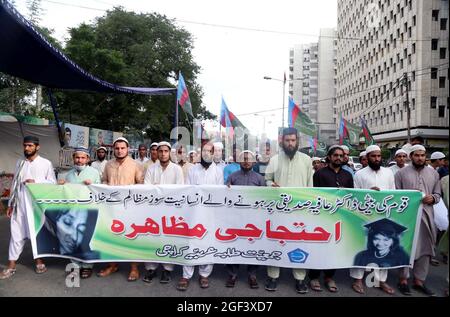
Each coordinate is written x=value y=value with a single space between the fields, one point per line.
x=130 y=49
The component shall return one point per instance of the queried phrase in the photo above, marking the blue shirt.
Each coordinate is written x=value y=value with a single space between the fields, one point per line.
x=348 y=169
x=230 y=169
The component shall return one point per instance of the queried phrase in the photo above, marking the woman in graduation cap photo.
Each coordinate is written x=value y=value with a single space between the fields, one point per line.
x=68 y=232
x=383 y=245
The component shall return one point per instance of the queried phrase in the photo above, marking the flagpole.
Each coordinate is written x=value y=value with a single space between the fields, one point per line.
x=176 y=119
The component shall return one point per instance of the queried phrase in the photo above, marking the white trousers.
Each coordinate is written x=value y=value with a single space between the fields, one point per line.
x=153 y=266
x=19 y=234
x=203 y=270
x=380 y=274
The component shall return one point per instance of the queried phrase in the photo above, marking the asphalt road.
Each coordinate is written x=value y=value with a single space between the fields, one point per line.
x=27 y=283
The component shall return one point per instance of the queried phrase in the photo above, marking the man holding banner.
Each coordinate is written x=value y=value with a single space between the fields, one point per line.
x=290 y=168
x=122 y=170
x=378 y=178
x=418 y=177
x=161 y=173
x=204 y=173
x=87 y=175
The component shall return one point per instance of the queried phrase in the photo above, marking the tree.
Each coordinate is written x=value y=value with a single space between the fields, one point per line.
x=130 y=49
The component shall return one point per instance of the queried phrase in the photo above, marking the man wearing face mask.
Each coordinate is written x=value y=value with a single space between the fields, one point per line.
x=373 y=177
x=290 y=168
x=32 y=169
x=87 y=175
x=204 y=173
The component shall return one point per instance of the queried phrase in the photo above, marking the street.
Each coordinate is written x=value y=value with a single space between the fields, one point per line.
x=27 y=283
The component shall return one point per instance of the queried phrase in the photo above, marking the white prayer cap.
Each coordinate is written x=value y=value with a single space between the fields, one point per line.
x=372 y=148
x=315 y=158
x=416 y=147
x=190 y=152
x=437 y=156
x=345 y=148
x=165 y=143
x=102 y=148
x=121 y=139
x=363 y=153
x=246 y=151
x=401 y=151
x=154 y=144
x=218 y=145
x=334 y=147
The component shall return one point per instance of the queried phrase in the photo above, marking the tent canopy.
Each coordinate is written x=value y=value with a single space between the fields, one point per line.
x=26 y=54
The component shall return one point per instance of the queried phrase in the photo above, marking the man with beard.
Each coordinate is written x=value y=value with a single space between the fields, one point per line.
x=345 y=165
x=32 y=169
x=218 y=152
x=400 y=161
x=373 y=177
x=160 y=173
x=101 y=161
x=363 y=159
x=204 y=173
x=246 y=176
x=290 y=168
x=122 y=170
x=331 y=176
x=417 y=177
x=87 y=175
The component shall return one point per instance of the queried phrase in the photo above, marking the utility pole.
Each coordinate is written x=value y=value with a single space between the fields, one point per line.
x=405 y=84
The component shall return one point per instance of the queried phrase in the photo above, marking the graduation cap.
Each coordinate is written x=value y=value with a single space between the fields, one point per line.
x=385 y=225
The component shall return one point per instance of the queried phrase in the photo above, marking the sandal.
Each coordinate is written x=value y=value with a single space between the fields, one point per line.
x=386 y=288
x=331 y=286
x=40 y=268
x=315 y=285
x=86 y=272
x=133 y=276
x=7 y=273
x=204 y=283
x=183 y=284
x=358 y=287
x=110 y=269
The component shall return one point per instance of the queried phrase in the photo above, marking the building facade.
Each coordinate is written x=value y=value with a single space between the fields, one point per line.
x=392 y=59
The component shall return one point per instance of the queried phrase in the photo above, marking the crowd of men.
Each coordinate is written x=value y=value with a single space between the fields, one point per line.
x=288 y=168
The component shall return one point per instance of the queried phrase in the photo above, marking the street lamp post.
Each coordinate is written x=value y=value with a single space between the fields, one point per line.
x=284 y=92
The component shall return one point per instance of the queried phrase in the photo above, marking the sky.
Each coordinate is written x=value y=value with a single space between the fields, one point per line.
x=233 y=61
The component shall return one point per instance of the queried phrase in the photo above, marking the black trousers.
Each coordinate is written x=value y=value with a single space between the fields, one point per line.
x=233 y=269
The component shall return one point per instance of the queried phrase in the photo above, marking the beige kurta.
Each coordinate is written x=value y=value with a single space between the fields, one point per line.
x=290 y=173
x=126 y=173
x=427 y=181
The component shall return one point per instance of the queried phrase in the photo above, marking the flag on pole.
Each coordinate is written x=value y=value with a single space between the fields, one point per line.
x=300 y=120
x=228 y=119
x=183 y=96
x=348 y=133
x=366 y=132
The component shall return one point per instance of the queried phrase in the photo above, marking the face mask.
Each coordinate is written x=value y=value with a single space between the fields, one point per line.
x=79 y=168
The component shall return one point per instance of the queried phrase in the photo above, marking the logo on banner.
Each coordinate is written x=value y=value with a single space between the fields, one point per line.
x=298 y=256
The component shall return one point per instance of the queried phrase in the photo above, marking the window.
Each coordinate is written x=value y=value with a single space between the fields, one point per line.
x=443 y=24
x=414 y=20
x=413 y=48
x=434 y=15
x=413 y=104
x=441 y=82
x=434 y=44
x=433 y=73
x=442 y=52
x=433 y=101
x=441 y=111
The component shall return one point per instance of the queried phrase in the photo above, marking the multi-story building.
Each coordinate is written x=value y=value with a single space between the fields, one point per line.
x=312 y=82
x=393 y=57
